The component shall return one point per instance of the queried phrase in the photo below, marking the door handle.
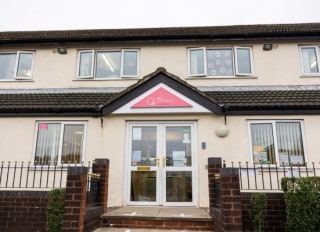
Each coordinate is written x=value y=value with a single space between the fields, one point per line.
x=158 y=162
x=164 y=161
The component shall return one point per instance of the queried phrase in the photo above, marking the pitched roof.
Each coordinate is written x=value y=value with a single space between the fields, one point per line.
x=252 y=100
x=290 y=101
x=155 y=78
x=235 y=32
x=32 y=103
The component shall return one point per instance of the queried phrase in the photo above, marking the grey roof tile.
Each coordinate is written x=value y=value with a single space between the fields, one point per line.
x=89 y=102
x=267 y=98
x=161 y=34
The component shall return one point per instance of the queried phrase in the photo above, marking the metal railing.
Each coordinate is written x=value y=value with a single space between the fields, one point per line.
x=25 y=175
x=93 y=189
x=267 y=177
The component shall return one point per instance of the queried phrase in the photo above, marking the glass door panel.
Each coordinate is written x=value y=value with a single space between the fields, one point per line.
x=177 y=170
x=144 y=146
x=144 y=164
x=179 y=186
x=143 y=186
x=178 y=146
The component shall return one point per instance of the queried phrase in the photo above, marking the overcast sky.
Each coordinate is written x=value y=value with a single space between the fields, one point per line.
x=21 y=15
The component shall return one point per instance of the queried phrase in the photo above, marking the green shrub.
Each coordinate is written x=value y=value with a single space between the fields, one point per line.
x=302 y=199
x=55 y=210
x=257 y=211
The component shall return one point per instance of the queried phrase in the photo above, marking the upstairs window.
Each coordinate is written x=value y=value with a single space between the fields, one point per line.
x=310 y=59
x=59 y=142
x=277 y=142
x=108 y=64
x=220 y=62
x=16 y=65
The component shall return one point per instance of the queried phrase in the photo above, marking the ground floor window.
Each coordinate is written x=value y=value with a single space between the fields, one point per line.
x=59 y=142
x=278 y=142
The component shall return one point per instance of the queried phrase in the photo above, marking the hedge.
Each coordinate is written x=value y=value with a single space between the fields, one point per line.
x=55 y=210
x=302 y=199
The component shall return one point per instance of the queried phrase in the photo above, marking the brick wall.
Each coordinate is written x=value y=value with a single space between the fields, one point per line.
x=231 y=211
x=23 y=211
x=275 y=213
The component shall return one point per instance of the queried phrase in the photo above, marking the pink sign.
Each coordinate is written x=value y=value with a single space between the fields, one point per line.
x=161 y=98
x=43 y=126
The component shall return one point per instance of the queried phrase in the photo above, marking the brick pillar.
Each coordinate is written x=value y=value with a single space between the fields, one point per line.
x=214 y=166
x=101 y=166
x=230 y=204
x=75 y=199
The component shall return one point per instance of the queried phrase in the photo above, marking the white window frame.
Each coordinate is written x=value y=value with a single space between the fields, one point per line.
x=274 y=133
x=122 y=62
x=236 y=61
x=204 y=62
x=16 y=66
x=234 y=55
x=91 y=75
x=62 y=124
x=317 y=49
x=94 y=60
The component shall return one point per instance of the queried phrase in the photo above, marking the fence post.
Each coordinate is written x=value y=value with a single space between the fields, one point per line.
x=75 y=199
x=101 y=166
x=225 y=209
x=230 y=201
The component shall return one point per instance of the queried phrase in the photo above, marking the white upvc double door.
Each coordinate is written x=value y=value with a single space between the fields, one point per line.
x=161 y=164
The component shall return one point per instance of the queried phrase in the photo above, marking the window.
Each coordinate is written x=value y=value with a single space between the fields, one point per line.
x=277 y=141
x=59 y=142
x=108 y=64
x=16 y=65
x=310 y=59
x=221 y=62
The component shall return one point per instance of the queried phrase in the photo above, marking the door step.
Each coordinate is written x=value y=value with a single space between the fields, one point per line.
x=170 y=218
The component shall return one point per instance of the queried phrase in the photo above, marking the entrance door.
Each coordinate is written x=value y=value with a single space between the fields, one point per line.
x=161 y=164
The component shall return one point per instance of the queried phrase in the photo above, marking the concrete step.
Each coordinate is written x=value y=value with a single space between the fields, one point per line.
x=157 y=219
x=142 y=230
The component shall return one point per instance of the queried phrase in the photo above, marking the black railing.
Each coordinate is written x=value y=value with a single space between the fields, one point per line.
x=217 y=195
x=93 y=189
x=259 y=176
x=31 y=176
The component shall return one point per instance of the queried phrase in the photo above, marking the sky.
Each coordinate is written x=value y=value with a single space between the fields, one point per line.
x=32 y=15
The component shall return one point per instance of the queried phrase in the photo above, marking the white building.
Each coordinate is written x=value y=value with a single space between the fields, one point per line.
x=158 y=102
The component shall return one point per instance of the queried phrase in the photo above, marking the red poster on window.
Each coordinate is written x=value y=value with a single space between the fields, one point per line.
x=43 y=126
x=161 y=98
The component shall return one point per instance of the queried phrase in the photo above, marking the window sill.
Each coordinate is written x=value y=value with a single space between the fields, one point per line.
x=221 y=78
x=310 y=76
x=15 y=80
x=107 y=79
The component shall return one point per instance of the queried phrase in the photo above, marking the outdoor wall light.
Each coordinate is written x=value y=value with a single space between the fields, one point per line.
x=222 y=131
x=267 y=47
x=62 y=51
